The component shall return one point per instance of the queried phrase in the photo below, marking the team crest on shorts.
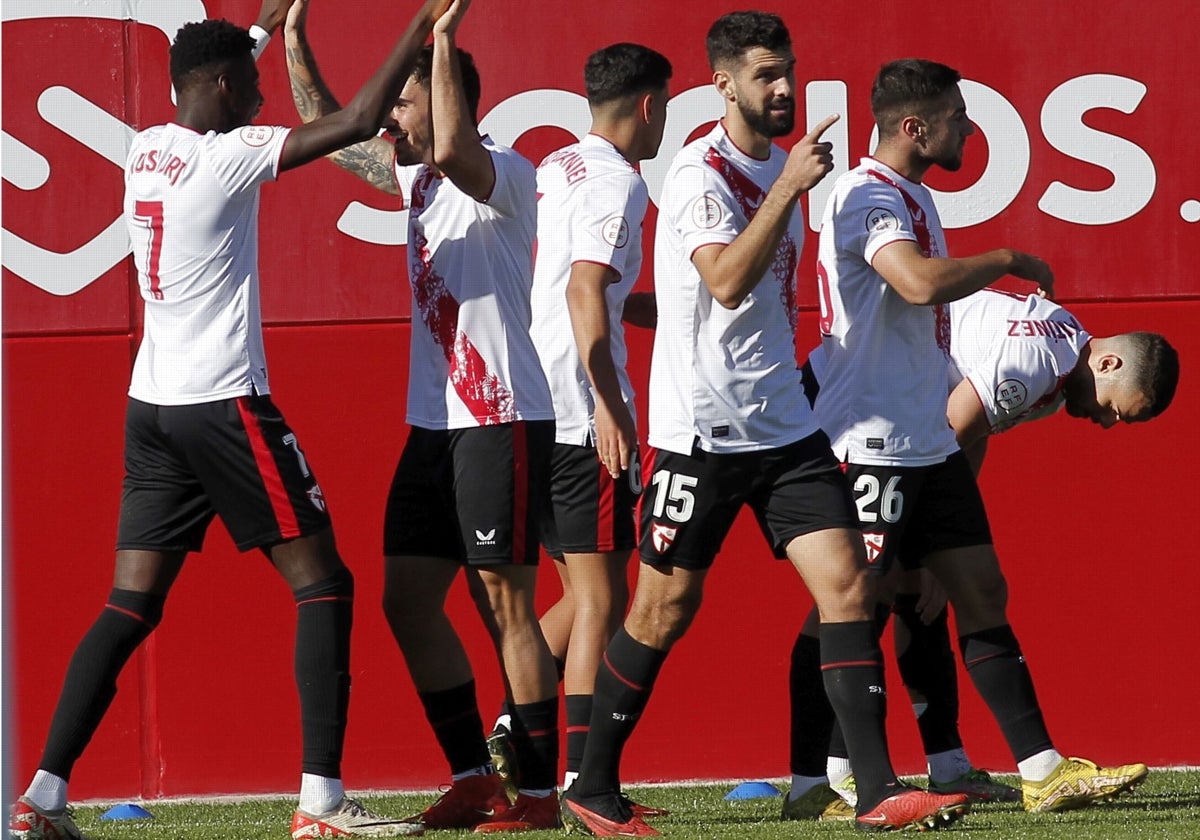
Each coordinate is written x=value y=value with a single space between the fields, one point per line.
x=317 y=497
x=662 y=536
x=874 y=543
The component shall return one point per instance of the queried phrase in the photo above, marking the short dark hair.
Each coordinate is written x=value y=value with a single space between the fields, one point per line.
x=1154 y=368
x=907 y=86
x=731 y=35
x=206 y=44
x=422 y=72
x=622 y=70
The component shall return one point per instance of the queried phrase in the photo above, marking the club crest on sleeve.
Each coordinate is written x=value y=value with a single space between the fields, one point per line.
x=256 y=135
x=706 y=212
x=880 y=219
x=615 y=231
x=1011 y=394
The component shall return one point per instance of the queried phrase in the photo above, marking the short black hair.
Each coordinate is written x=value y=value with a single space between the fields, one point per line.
x=422 y=73
x=907 y=86
x=622 y=70
x=1154 y=368
x=207 y=44
x=731 y=35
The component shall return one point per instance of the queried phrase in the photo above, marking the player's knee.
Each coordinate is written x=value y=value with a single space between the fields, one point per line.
x=663 y=622
x=145 y=607
x=339 y=585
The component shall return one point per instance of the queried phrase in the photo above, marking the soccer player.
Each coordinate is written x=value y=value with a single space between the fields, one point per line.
x=884 y=278
x=202 y=436
x=729 y=427
x=1013 y=358
x=591 y=204
x=471 y=484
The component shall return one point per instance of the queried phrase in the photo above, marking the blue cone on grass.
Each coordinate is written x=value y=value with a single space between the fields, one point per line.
x=753 y=790
x=127 y=811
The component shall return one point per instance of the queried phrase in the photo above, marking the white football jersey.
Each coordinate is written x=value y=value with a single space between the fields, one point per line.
x=191 y=205
x=591 y=204
x=883 y=394
x=470 y=266
x=725 y=378
x=1016 y=351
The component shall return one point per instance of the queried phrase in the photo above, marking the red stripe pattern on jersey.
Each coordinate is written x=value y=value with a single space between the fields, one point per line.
x=489 y=400
x=268 y=470
x=749 y=196
x=941 y=313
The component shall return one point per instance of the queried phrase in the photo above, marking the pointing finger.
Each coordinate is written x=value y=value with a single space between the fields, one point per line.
x=816 y=133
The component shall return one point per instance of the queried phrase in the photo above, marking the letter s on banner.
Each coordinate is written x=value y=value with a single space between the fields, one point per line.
x=1133 y=172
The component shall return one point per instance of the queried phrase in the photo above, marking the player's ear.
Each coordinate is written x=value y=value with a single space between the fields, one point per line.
x=1109 y=363
x=724 y=84
x=645 y=107
x=913 y=128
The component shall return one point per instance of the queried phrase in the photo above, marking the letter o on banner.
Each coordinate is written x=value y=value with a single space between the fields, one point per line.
x=534 y=109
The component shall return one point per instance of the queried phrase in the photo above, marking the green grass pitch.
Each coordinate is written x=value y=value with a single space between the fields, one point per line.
x=1166 y=806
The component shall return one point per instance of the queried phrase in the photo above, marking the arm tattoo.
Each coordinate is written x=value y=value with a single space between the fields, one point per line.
x=372 y=160
x=310 y=93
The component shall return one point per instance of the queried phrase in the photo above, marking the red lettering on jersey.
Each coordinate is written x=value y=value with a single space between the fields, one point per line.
x=173 y=169
x=749 y=197
x=571 y=162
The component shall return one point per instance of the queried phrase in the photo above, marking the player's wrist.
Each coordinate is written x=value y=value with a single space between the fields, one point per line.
x=261 y=37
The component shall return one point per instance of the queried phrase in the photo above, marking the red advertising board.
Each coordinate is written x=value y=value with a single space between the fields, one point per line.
x=1080 y=158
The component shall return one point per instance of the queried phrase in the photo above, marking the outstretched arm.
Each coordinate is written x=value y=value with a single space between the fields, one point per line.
x=457 y=151
x=925 y=281
x=332 y=130
x=370 y=160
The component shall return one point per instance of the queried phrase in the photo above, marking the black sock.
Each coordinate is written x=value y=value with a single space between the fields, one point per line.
x=996 y=666
x=852 y=665
x=579 y=715
x=535 y=742
x=837 y=741
x=929 y=671
x=324 y=614
x=623 y=685
x=454 y=716
x=91 y=682
x=812 y=714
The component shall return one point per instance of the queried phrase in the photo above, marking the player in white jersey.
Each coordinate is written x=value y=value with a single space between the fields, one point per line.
x=202 y=438
x=729 y=427
x=884 y=278
x=471 y=484
x=591 y=204
x=1016 y=358
x=1013 y=358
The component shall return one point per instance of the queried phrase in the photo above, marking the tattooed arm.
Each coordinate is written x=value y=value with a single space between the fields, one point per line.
x=372 y=160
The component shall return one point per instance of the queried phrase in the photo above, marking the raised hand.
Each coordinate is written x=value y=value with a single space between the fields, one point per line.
x=449 y=16
x=810 y=159
x=297 y=16
x=272 y=14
